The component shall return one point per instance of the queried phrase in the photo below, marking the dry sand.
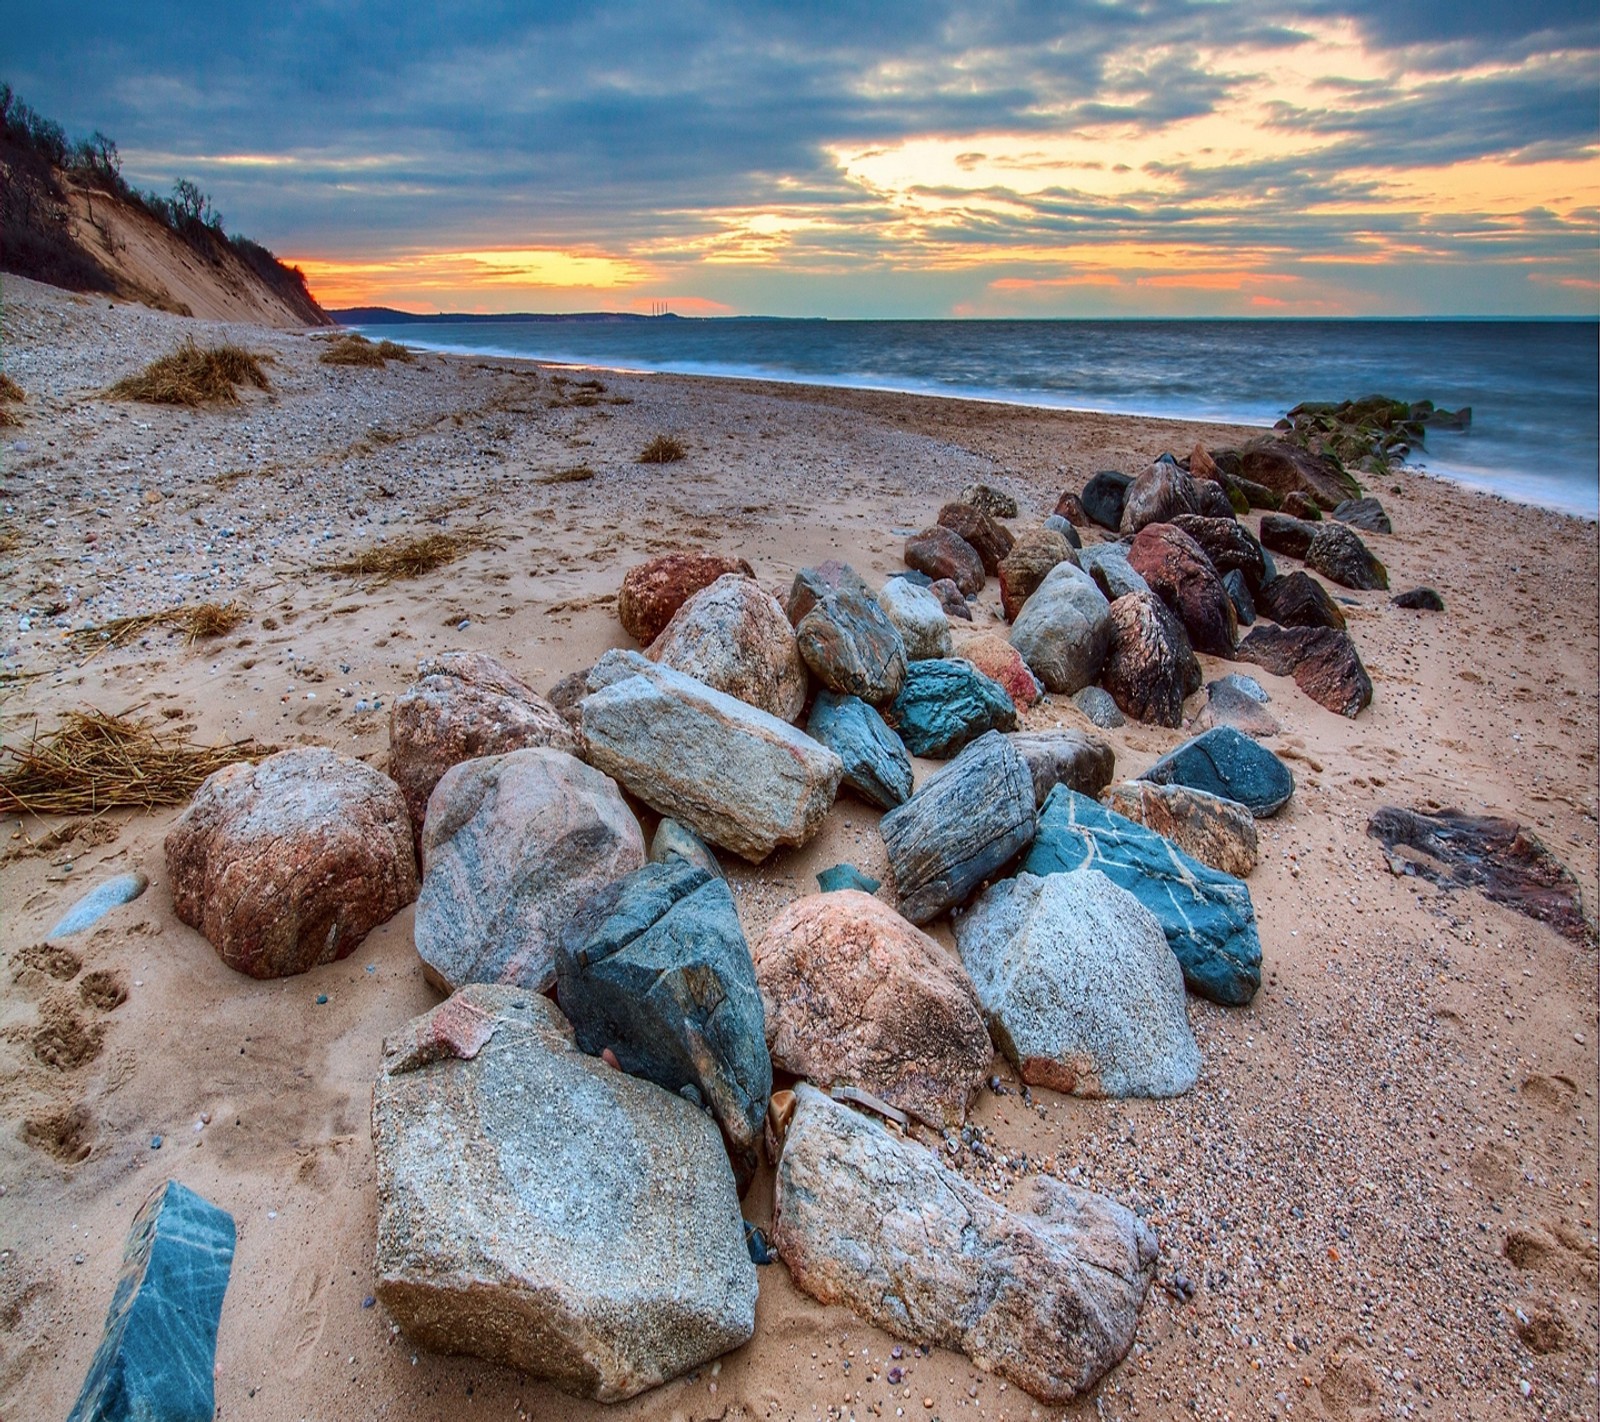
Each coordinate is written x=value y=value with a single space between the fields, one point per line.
x=1383 y=1188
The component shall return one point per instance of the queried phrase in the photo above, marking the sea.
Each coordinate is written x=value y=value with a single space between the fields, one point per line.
x=1533 y=386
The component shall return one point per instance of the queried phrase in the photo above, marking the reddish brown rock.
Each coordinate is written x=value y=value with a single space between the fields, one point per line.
x=1322 y=661
x=950 y=599
x=1298 y=600
x=1070 y=507
x=1178 y=570
x=1032 y=556
x=855 y=996
x=1203 y=466
x=653 y=591
x=464 y=705
x=289 y=864
x=1151 y=666
x=998 y=660
x=1218 y=832
x=1285 y=468
x=942 y=554
x=991 y=540
x=1156 y=495
x=1228 y=544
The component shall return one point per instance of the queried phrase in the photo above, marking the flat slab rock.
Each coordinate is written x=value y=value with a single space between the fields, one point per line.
x=1044 y=1293
x=503 y=1232
x=1223 y=762
x=1218 y=832
x=1322 y=660
x=1207 y=915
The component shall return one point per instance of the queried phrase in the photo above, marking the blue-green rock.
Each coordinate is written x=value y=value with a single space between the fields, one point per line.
x=1207 y=915
x=98 y=902
x=158 y=1355
x=655 y=966
x=876 y=765
x=1224 y=762
x=946 y=703
x=846 y=876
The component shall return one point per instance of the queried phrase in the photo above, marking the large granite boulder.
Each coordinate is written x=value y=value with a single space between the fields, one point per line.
x=855 y=996
x=511 y=845
x=1322 y=660
x=990 y=540
x=1064 y=631
x=1282 y=533
x=157 y=1355
x=1113 y=574
x=1064 y=757
x=1079 y=986
x=1337 y=552
x=1150 y=667
x=844 y=635
x=1284 y=468
x=1043 y=1291
x=656 y=968
x=919 y=618
x=1366 y=514
x=1104 y=496
x=1156 y=495
x=1207 y=915
x=738 y=777
x=1218 y=832
x=1229 y=545
x=965 y=822
x=943 y=554
x=998 y=660
x=1223 y=762
x=653 y=591
x=944 y=704
x=876 y=765
x=1021 y=571
x=1298 y=600
x=734 y=637
x=542 y=1210
x=464 y=705
x=1179 y=572
x=289 y=863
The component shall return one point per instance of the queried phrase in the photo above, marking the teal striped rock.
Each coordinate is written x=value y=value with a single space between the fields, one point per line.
x=944 y=704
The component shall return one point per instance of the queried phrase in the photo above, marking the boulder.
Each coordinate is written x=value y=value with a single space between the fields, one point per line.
x=1223 y=762
x=1226 y=705
x=1156 y=495
x=734 y=637
x=950 y=598
x=1289 y=536
x=1322 y=660
x=1086 y=763
x=674 y=842
x=1366 y=514
x=964 y=823
x=1064 y=630
x=1113 y=574
x=1301 y=506
x=1100 y=706
x=464 y=705
x=511 y=845
x=998 y=660
x=1055 y=523
x=1079 y=987
x=1419 y=600
x=876 y=765
x=990 y=500
x=942 y=554
x=157 y=1355
x=656 y=968
x=1043 y=1291
x=1103 y=498
x=1245 y=686
x=1070 y=507
x=91 y=907
x=653 y=591
x=1299 y=600
x=1178 y=571
x=1218 y=832
x=1338 y=553
x=1021 y=571
x=290 y=863
x=991 y=540
x=1244 y=606
x=919 y=618
x=844 y=636
x=945 y=704
x=1229 y=545
x=542 y=1210
x=1214 y=501
x=1207 y=915
x=739 y=778
x=1285 y=468
x=855 y=996
x=1150 y=667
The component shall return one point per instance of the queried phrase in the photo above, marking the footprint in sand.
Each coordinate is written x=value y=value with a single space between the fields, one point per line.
x=63 y=1041
x=305 y=1318
x=1348 y=1388
x=67 y=1134
x=103 y=990
x=61 y=964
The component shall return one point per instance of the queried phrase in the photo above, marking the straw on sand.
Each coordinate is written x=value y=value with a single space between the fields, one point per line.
x=354 y=349
x=410 y=557
x=206 y=619
x=10 y=394
x=191 y=376
x=95 y=761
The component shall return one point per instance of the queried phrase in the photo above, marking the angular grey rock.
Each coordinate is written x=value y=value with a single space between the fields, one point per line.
x=1419 y=600
x=1246 y=685
x=1086 y=763
x=1366 y=514
x=538 y=1208
x=918 y=617
x=944 y=704
x=1227 y=705
x=674 y=841
x=1337 y=552
x=1290 y=536
x=844 y=635
x=1065 y=527
x=157 y=1356
x=98 y=902
x=964 y=824
x=1113 y=574
x=1244 y=606
x=876 y=765
x=1045 y=1292
x=512 y=844
x=1100 y=706
x=846 y=876
x=1064 y=630
x=1079 y=986
x=740 y=778
x=1223 y=762
x=655 y=967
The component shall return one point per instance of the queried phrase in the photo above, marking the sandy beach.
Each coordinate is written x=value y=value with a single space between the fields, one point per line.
x=1382 y=1190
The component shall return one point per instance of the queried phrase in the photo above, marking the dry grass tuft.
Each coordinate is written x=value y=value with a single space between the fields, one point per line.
x=94 y=762
x=578 y=474
x=206 y=619
x=411 y=557
x=663 y=449
x=355 y=349
x=10 y=394
x=191 y=376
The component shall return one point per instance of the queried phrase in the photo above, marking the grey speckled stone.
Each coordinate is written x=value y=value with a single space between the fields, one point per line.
x=98 y=902
x=1100 y=706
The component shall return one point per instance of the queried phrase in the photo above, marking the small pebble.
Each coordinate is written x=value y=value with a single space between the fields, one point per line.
x=155 y=1142
x=368 y=1301
x=322 y=999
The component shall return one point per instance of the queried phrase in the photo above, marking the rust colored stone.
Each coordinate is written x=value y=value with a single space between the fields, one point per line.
x=653 y=591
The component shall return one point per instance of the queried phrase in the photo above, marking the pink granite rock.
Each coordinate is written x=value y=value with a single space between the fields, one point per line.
x=653 y=591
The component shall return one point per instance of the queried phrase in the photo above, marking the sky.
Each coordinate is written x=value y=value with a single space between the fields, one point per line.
x=909 y=158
